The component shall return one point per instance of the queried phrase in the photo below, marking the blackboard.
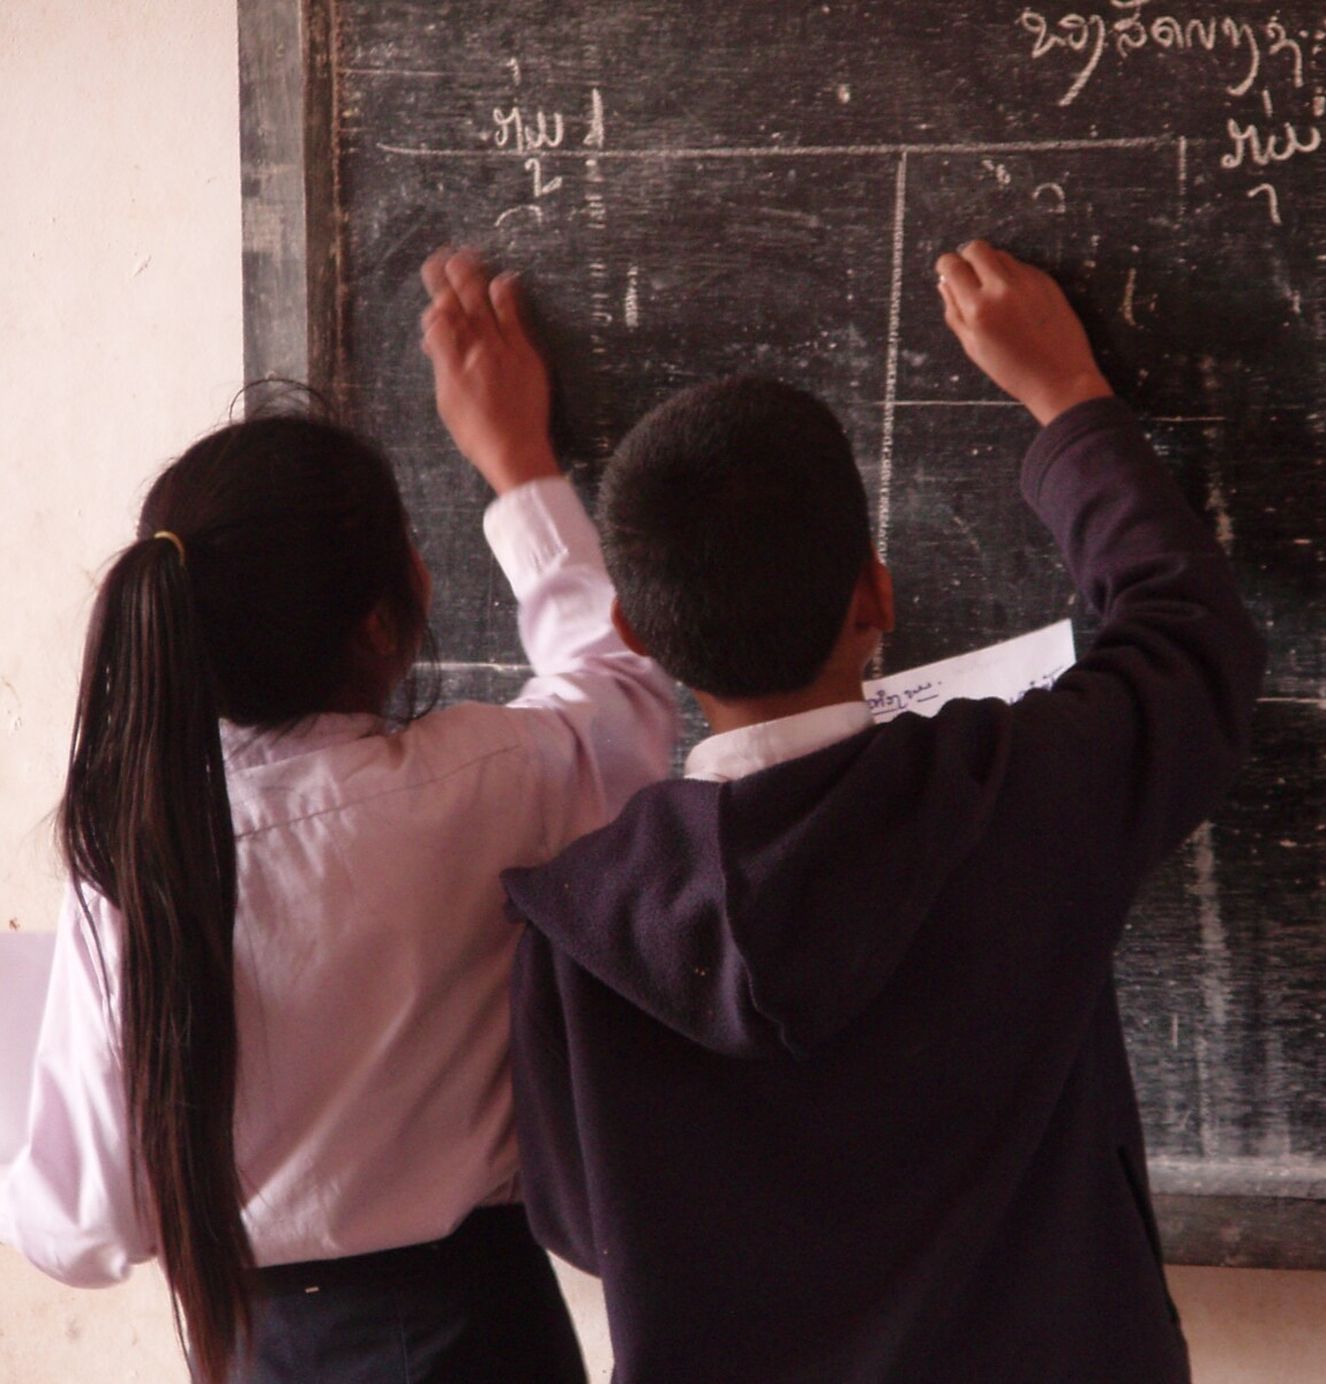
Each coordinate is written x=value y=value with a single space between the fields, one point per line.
x=694 y=189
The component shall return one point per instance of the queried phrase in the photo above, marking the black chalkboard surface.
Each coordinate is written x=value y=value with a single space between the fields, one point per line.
x=696 y=188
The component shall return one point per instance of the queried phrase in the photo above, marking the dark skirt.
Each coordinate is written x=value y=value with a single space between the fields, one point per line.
x=480 y=1307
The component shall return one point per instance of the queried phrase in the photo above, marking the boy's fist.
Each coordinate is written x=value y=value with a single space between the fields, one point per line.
x=1014 y=323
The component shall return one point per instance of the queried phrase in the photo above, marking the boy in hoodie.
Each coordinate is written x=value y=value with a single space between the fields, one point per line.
x=817 y=1056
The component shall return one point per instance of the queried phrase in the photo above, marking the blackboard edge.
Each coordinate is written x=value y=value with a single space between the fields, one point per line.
x=288 y=212
x=1242 y=1232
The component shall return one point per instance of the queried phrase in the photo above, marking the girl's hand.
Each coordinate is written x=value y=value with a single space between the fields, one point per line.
x=1014 y=323
x=490 y=382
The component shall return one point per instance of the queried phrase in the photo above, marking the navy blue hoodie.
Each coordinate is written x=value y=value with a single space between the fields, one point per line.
x=821 y=1070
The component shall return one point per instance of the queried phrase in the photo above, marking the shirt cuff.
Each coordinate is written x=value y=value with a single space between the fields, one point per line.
x=537 y=526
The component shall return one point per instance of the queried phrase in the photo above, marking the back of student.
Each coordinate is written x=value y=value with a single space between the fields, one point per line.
x=274 y=1050
x=817 y=1055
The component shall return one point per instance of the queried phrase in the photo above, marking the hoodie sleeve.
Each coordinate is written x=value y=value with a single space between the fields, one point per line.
x=1156 y=716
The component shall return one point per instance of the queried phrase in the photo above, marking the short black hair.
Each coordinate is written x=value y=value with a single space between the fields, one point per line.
x=735 y=527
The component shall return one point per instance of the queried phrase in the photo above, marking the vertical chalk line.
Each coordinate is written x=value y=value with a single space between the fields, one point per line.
x=1211 y=1043
x=891 y=359
x=1183 y=178
x=596 y=209
x=600 y=309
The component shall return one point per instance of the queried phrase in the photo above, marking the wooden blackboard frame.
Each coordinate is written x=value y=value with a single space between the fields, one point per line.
x=291 y=322
x=293 y=328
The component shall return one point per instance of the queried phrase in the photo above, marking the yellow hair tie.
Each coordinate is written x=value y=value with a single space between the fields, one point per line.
x=172 y=538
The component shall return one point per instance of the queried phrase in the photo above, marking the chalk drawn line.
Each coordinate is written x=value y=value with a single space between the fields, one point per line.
x=776 y=151
x=1013 y=403
x=891 y=356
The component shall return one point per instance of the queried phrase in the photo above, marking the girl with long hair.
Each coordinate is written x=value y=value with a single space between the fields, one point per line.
x=274 y=1051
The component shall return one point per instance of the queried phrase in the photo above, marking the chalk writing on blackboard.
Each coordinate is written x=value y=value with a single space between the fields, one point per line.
x=1258 y=60
x=533 y=133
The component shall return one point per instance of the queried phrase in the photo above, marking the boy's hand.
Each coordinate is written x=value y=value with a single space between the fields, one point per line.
x=491 y=384
x=1015 y=323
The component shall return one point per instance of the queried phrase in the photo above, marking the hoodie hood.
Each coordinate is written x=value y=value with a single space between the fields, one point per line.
x=761 y=916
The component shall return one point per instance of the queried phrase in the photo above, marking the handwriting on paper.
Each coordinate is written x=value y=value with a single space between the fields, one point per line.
x=1007 y=670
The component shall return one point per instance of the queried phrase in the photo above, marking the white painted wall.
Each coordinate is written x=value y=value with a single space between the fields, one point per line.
x=120 y=305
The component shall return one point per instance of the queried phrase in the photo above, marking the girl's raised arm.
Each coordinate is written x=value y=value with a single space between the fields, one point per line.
x=603 y=720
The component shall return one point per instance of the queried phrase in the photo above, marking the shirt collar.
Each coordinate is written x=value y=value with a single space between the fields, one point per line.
x=735 y=753
x=245 y=747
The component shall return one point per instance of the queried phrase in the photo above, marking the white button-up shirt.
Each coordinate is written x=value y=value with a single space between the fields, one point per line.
x=372 y=947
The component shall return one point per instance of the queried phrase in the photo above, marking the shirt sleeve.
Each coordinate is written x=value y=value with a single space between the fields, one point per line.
x=67 y=1203
x=602 y=721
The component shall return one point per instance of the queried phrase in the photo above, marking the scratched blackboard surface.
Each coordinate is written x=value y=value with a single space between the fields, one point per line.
x=694 y=189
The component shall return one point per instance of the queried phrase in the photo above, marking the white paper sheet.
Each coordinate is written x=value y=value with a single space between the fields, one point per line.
x=1004 y=670
x=25 y=969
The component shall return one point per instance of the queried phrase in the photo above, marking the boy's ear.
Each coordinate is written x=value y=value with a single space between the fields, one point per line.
x=875 y=596
x=627 y=635
x=884 y=581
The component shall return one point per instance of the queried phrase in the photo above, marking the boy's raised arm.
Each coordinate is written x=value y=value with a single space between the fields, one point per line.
x=1169 y=682
x=1016 y=325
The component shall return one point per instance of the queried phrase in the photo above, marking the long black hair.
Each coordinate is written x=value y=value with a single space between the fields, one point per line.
x=283 y=535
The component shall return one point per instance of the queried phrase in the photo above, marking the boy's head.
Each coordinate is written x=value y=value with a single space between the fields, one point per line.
x=735 y=529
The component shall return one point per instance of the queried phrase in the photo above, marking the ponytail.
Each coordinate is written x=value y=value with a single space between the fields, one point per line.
x=146 y=822
x=294 y=533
